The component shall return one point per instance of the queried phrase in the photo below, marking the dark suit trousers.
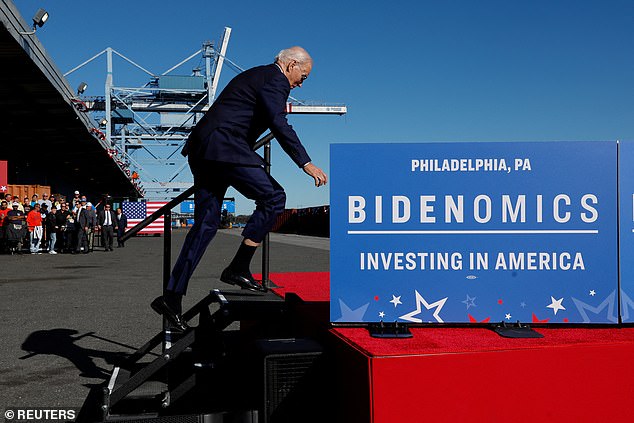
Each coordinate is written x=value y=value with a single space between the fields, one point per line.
x=107 y=234
x=120 y=232
x=82 y=240
x=211 y=180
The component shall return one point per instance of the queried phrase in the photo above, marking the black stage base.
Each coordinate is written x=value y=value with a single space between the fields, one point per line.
x=222 y=417
x=259 y=373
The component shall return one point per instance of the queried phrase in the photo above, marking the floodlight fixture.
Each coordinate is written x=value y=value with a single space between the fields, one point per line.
x=40 y=18
x=103 y=122
x=81 y=88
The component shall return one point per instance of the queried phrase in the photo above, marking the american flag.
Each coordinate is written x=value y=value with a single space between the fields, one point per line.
x=136 y=211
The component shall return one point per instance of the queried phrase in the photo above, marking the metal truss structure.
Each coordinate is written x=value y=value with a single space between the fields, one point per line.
x=147 y=126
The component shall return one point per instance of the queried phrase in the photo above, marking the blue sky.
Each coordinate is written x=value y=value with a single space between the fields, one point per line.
x=409 y=71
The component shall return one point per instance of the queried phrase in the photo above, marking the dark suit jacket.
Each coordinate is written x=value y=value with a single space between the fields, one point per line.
x=92 y=218
x=113 y=218
x=252 y=102
x=122 y=224
x=84 y=219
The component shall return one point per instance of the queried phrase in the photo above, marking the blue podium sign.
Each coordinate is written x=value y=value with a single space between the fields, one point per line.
x=626 y=236
x=473 y=232
x=187 y=206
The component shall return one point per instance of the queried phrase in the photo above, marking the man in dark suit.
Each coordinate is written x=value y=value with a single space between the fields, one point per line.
x=82 y=226
x=108 y=223
x=220 y=154
x=93 y=224
x=122 y=224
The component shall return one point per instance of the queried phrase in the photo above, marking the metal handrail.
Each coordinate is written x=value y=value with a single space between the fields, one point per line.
x=166 y=211
x=157 y=214
x=264 y=140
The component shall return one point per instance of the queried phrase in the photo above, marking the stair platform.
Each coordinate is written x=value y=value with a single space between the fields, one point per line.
x=153 y=388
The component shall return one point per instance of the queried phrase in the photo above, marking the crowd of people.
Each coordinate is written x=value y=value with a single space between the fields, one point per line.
x=53 y=225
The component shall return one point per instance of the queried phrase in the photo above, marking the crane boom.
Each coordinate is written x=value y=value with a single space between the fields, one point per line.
x=291 y=108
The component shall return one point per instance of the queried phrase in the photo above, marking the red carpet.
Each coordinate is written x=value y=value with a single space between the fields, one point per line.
x=464 y=340
x=309 y=286
x=473 y=374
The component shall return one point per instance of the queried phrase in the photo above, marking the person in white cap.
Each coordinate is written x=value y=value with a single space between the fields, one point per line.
x=46 y=201
x=76 y=198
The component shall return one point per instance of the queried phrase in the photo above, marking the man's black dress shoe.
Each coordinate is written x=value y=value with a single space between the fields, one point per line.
x=160 y=306
x=243 y=281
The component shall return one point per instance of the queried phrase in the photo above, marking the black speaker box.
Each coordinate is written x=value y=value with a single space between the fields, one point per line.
x=294 y=380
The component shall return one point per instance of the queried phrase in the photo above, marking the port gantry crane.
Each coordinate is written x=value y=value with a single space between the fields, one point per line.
x=147 y=126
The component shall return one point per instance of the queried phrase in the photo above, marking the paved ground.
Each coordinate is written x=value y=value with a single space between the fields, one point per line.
x=67 y=318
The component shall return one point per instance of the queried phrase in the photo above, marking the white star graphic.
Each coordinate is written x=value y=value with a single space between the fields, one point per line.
x=556 y=304
x=420 y=300
x=3 y=188
x=381 y=314
x=523 y=304
x=396 y=300
x=508 y=316
x=593 y=293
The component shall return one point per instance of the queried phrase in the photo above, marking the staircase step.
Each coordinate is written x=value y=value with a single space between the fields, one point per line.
x=148 y=390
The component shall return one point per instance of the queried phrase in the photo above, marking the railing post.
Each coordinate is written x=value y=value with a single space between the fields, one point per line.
x=265 y=142
x=265 y=242
x=167 y=269
x=167 y=248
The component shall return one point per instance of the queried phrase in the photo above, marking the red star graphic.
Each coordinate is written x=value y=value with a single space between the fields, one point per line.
x=500 y=301
x=376 y=298
x=536 y=320
x=474 y=320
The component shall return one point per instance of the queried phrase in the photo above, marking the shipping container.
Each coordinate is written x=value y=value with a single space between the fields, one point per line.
x=22 y=191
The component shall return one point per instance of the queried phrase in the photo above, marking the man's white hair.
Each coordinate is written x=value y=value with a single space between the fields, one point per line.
x=293 y=53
